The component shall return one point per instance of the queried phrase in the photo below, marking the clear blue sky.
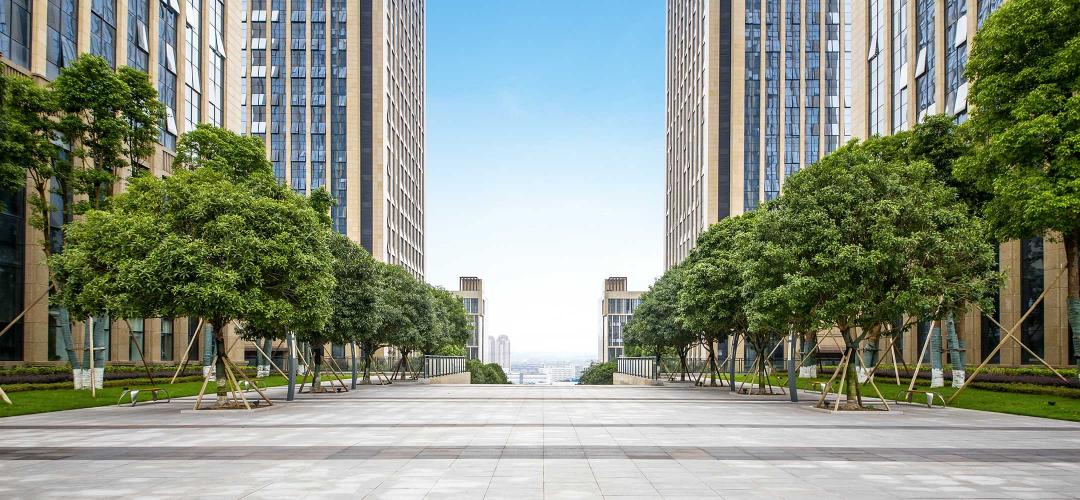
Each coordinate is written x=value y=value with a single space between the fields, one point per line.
x=545 y=150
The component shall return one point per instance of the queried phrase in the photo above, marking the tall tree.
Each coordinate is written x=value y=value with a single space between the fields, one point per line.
x=203 y=243
x=355 y=301
x=712 y=301
x=855 y=242
x=656 y=326
x=1024 y=70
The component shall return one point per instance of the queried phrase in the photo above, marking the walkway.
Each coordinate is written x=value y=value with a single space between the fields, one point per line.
x=520 y=442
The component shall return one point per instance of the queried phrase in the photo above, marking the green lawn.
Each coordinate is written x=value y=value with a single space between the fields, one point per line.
x=972 y=398
x=26 y=402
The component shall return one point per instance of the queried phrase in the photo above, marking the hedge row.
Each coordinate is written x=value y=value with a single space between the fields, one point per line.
x=130 y=382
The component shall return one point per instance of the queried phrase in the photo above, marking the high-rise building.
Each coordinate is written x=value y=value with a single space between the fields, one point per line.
x=616 y=310
x=756 y=90
x=471 y=292
x=336 y=89
x=184 y=46
x=502 y=353
x=916 y=51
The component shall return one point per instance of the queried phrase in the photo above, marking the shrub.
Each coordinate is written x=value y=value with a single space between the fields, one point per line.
x=490 y=373
x=598 y=374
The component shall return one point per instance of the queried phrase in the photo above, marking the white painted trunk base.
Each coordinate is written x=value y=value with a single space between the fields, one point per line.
x=958 y=378
x=937 y=377
x=77 y=378
x=262 y=371
x=863 y=373
x=99 y=378
x=808 y=371
x=208 y=372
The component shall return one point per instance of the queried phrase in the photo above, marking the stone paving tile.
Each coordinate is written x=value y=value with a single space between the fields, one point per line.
x=411 y=441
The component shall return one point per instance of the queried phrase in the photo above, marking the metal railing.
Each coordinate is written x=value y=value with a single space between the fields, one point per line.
x=638 y=367
x=435 y=366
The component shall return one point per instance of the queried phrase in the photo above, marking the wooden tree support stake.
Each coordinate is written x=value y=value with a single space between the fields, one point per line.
x=1008 y=336
x=184 y=359
x=270 y=360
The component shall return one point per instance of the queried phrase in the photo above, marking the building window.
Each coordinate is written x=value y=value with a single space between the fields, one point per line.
x=987 y=7
x=1031 y=287
x=924 y=58
x=62 y=46
x=900 y=96
x=339 y=63
x=15 y=30
x=166 y=339
x=793 y=47
x=138 y=34
x=137 y=342
x=990 y=334
x=103 y=30
x=216 y=80
x=167 y=73
x=772 y=99
x=849 y=14
x=193 y=70
x=12 y=264
x=752 y=107
x=876 y=69
x=956 y=58
x=813 y=82
x=832 y=76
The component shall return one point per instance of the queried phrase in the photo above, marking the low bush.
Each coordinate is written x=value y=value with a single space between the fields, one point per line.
x=128 y=382
x=598 y=374
x=490 y=373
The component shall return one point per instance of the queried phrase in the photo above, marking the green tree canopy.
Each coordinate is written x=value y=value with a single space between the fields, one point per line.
x=201 y=244
x=1024 y=70
x=856 y=242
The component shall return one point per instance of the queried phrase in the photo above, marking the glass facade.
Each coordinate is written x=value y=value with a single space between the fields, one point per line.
x=62 y=45
x=193 y=70
x=849 y=23
x=338 y=151
x=875 y=62
x=166 y=339
x=1031 y=287
x=12 y=263
x=772 y=99
x=752 y=107
x=813 y=82
x=103 y=30
x=167 y=72
x=137 y=339
x=139 y=34
x=924 y=58
x=15 y=30
x=987 y=7
x=832 y=76
x=990 y=334
x=956 y=58
x=900 y=93
x=792 y=50
x=215 y=19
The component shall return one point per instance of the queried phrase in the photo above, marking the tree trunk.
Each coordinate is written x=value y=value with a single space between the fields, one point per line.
x=268 y=348
x=365 y=352
x=854 y=397
x=98 y=376
x=809 y=355
x=1072 y=241
x=209 y=342
x=870 y=354
x=731 y=359
x=710 y=361
x=218 y=329
x=63 y=318
x=682 y=364
x=316 y=367
x=956 y=354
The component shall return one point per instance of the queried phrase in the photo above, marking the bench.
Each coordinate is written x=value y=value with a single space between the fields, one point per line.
x=134 y=395
x=929 y=396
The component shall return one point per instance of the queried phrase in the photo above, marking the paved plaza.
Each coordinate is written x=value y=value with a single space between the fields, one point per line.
x=522 y=442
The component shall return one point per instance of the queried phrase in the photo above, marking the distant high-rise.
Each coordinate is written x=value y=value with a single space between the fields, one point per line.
x=336 y=89
x=502 y=353
x=471 y=292
x=616 y=310
x=756 y=90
